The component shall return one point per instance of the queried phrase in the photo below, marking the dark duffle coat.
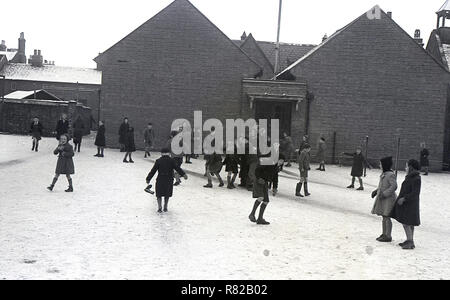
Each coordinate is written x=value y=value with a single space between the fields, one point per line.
x=231 y=163
x=78 y=131
x=65 y=162
x=123 y=132
x=62 y=127
x=165 y=166
x=267 y=174
x=409 y=212
x=36 y=130
x=130 y=146
x=304 y=164
x=214 y=163
x=359 y=161
x=100 y=138
x=386 y=197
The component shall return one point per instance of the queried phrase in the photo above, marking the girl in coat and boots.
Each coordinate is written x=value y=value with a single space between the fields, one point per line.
x=407 y=208
x=213 y=167
x=359 y=161
x=100 y=139
x=287 y=148
x=424 y=160
x=165 y=166
x=130 y=146
x=321 y=148
x=65 y=162
x=231 y=167
x=264 y=174
x=78 y=131
x=36 y=133
x=385 y=198
x=304 y=166
x=123 y=132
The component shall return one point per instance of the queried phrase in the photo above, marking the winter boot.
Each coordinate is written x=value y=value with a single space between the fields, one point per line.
x=221 y=184
x=233 y=180
x=361 y=185
x=319 y=168
x=36 y=148
x=159 y=205
x=274 y=192
x=34 y=145
x=229 y=183
x=101 y=153
x=50 y=188
x=261 y=220
x=166 y=203
x=70 y=189
x=209 y=185
x=306 y=190
x=252 y=214
x=323 y=167
x=298 y=190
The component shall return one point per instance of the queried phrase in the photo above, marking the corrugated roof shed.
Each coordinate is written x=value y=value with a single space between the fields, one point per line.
x=50 y=73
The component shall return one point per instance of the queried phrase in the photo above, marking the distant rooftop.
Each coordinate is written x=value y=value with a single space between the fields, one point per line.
x=38 y=94
x=9 y=54
x=51 y=73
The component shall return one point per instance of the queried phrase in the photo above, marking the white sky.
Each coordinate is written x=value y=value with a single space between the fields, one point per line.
x=73 y=32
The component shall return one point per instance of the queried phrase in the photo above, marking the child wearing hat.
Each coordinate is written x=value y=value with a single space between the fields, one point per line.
x=65 y=162
x=385 y=198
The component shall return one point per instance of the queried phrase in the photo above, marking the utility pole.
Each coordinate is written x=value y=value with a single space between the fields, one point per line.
x=277 y=46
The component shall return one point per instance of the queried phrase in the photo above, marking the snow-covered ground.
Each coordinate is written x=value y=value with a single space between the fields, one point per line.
x=109 y=228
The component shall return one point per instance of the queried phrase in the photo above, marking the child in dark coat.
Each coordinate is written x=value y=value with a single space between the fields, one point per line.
x=359 y=161
x=123 y=132
x=407 y=208
x=231 y=164
x=130 y=146
x=100 y=139
x=65 y=162
x=165 y=166
x=264 y=174
x=78 y=131
x=62 y=127
x=36 y=133
x=424 y=159
x=149 y=137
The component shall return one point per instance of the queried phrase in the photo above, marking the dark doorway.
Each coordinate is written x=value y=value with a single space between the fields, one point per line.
x=275 y=110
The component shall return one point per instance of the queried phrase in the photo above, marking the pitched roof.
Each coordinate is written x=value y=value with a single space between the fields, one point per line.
x=289 y=52
x=444 y=7
x=8 y=54
x=252 y=48
x=40 y=95
x=340 y=31
x=51 y=73
x=177 y=2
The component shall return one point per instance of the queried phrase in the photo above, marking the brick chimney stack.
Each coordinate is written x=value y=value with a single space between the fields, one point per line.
x=417 y=37
x=37 y=60
x=243 y=36
x=3 y=46
x=21 y=57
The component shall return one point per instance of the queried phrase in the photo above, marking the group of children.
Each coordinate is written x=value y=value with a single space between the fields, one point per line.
x=255 y=175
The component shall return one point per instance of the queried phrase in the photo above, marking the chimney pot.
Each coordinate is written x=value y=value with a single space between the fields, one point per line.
x=389 y=13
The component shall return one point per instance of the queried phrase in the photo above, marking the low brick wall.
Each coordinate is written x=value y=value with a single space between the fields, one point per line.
x=16 y=115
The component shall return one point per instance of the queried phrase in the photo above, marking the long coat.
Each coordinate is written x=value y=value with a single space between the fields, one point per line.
x=424 y=161
x=304 y=164
x=78 y=131
x=65 y=162
x=36 y=130
x=123 y=131
x=149 y=137
x=231 y=163
x=100 y=138
x=409 y=212
x=386 y=197
x=130 y=146
x=165 y=166
x=286 y=147
x=62 y=127
x=321 y=148
x=214 y=163
x=359 y=161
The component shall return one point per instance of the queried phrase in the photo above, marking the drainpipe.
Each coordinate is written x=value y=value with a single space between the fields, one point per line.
x=2 y=103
